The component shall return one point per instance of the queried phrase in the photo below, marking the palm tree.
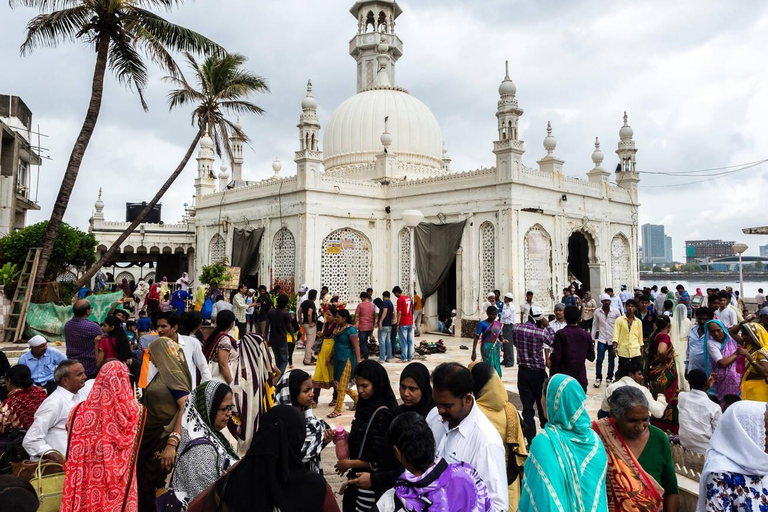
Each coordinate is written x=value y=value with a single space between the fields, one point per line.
x=222 y=87
x=119 y=31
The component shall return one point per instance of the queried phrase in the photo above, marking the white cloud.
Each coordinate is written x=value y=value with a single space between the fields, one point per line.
x=689 y=74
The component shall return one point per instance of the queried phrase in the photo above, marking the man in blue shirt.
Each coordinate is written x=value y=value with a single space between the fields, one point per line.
x=42 y=362
x=697 y=342
x=386 y=310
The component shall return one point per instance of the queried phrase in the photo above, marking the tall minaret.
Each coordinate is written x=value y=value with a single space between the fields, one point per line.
x=237 y=154
x=508 y=148
x=309 y=157
x=205 y=183
x=375 y=25
x=627 y=176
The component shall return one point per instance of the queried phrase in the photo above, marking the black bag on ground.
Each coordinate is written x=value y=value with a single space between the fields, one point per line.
x=11 y=449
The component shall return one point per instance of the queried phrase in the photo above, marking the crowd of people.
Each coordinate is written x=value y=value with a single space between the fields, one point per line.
x=153 y=411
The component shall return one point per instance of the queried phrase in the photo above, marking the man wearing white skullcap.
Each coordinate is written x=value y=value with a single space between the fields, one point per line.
x=42 y=362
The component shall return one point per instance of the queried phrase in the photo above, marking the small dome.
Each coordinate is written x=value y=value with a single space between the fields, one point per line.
x=626 y=131
x=550 y=143
x=224 y=171
x=99 y=204
x=277 y=165
x=309 y=101
x=353 y=134
x=386 y=139
x=507 y=87
x=206 y=142
x=597 y=154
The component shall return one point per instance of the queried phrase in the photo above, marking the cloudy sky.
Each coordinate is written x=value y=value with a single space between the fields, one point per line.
x=690 y=74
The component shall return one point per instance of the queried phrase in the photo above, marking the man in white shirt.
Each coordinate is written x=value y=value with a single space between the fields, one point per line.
x=602 y=332
x=759 y=298
x=631 y=374
x=698 y=416
x=559 y=321
x=615 y=300
x=240 y=305
x=168 y=327
x=525 y=307
x=49 y=430
x=490 y=301
x=507 y=319
x=463 y=433
x=725 y=313
x=625 y=294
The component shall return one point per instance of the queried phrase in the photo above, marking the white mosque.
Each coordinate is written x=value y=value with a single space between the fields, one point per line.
x=338 y=219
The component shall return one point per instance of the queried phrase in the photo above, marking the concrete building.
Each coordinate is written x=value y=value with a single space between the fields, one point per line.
x=17 y=156
x=701 y=251
x=337 y=219
x=654 y=244
x=764 y=251
x=668 y=256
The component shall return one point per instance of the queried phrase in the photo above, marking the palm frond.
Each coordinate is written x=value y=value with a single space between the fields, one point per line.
x=125 y=62
x=45 y=5
x=154 y=49
x=172 y=36
x=233 y=128
x=48 y=30
x=241 y=107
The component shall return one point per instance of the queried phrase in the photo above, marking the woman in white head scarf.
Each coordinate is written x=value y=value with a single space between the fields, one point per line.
x=678 y=333
x=735 y=474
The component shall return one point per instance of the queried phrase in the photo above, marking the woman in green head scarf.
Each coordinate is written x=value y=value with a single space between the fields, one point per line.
x=566 y=466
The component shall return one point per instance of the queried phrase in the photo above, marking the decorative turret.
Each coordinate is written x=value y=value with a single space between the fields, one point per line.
x=237 y=153
x=446 y=159
x=598 y=174
x=99 y=206
x=205 y=183
x=508 y=148
x=550 y=162
x=223 y=177
x=309 y=157
x=277 y=165
x=386 y=161
x=375 y=25
x=627 y=176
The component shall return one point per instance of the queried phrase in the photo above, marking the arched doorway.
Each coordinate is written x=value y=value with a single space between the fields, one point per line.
x=578 y=258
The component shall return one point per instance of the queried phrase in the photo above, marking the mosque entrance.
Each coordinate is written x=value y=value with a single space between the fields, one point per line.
x=446 y=293
x=578 y=258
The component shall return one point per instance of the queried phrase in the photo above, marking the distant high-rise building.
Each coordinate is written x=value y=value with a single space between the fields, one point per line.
x=764 y=251
x=701 y=250
x=668 y=249
x=654 y=246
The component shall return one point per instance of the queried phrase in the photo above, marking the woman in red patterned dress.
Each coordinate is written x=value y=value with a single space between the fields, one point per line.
x=104 y=436
x=18 y=410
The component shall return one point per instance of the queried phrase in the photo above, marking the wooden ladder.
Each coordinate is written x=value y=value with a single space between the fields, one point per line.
x=23 y=295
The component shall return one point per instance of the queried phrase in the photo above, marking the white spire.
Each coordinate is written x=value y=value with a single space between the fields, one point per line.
x=309 y=102
x=597 y=154
x=276 y=167
x=386 y=137
x=382 y=78
x=626 y=132
x=550 y=143
x=507 y=87
x=99 y=205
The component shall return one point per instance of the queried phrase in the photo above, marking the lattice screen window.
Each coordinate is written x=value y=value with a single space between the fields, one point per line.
x=217 y=249
x=405 y=259
x=67 y=277
x=538 y=265
x=619 y=261
x=345 y=264
x=487 y=258
x=284 y=255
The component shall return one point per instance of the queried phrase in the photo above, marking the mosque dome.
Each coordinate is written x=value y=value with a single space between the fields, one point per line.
x=353 y=133
x=626 y=131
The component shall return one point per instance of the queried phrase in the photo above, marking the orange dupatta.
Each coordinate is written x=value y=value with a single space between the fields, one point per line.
x=629 y=487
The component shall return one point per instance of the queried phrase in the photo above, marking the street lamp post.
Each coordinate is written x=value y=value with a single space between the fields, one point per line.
x=740 y=248
x=412 y=219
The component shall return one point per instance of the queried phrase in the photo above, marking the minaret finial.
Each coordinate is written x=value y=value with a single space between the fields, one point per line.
x=506 y=70
x=309 y=88
x=550 y=143
x=99 y=193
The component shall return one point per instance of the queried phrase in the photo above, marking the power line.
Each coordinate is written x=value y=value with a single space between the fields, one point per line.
x=710 y=177
x=724 y=168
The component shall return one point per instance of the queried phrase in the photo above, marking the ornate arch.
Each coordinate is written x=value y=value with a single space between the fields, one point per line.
x=149 y=276
x=123 y=275
x=217 y=249
x=404 y=246
x=538 y=264
x=487 y=258
x=620 y=261
x=283 y=255
x=345 y=263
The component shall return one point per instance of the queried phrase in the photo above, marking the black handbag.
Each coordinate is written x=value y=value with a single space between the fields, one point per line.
x=11 y=449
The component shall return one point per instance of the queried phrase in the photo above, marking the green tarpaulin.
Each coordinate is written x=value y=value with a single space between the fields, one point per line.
x=48 y=319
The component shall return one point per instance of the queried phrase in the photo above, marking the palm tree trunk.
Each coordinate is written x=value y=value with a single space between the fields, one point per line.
x=86 y=277
x=76 y=157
